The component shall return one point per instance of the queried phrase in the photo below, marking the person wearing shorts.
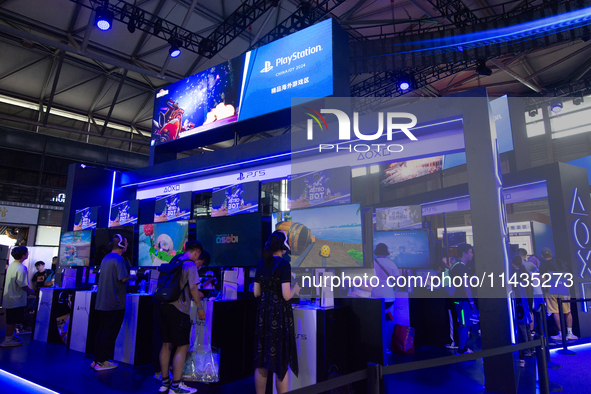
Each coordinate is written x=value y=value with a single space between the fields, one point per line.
x=16 y=290
x=175 y=321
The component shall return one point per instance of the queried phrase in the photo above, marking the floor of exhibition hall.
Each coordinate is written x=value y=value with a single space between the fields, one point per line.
x=49 y=368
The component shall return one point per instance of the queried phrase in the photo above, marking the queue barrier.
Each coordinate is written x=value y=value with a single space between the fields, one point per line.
x=375 y=373
x=565 y=350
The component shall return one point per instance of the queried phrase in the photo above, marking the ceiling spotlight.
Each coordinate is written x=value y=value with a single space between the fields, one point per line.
x=404 y=82
x=175 y=47
x=578 y=100
x=104 y=18
x=556 y=105
x=131 y=25
x=533 y=112
x=481 y=68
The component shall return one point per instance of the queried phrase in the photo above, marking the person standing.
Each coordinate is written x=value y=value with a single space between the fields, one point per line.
x=551 y=265
x=16 y=290
x=175 y=320
x=464 y=303
x=275 y=341
x=110 y=303
x=384 y=268
x=44 y=277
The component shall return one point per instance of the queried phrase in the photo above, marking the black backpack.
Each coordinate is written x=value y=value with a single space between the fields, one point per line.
x=169 y=282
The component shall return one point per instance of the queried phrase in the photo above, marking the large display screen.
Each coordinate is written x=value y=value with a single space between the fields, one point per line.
x=75 y=249
x=173 y=207
x=232 y=241
x=85 y=218
x=320 y=188
x=160 y=242
x=404 y=170
x=408 y=249
x=102 y=240
x=325 y=237
x=235 y=199
x=124 y=213
x=258 y=82
x=397 y=218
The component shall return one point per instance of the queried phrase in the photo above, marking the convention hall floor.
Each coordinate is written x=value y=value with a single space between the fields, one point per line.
x=55 y=369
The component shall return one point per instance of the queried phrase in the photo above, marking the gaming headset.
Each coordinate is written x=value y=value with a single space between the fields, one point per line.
x=120 y=244
x=285 y=245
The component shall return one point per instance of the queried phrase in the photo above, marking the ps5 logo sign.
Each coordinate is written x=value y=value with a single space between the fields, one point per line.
x=267 y=68
x=250 y=174
x=172 y=188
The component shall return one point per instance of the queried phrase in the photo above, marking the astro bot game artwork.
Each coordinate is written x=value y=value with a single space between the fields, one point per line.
x=198 y=103
x=173 y=207
x=235 y=199
x=124 y=213
x=160 y=242
x=320 y=188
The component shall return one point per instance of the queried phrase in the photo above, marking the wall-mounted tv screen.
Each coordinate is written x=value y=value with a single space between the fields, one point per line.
x=232 y=241
x=320 y=188
x=235 y=199
x=455 y=238
x=404 y=170
x=258 y=82
x=173 y=207
x=398 y=218
x=325 y=237
x=102 y=247
x=408 y=249
x=75 y=249
x=124 y=213
x=85 y=218
x=160 y=242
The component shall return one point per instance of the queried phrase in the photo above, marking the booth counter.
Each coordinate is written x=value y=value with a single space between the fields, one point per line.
x=54 y=312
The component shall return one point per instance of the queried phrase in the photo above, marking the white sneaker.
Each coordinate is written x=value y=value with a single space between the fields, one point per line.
x=557 y=337
x=105 y=366
x=571 y=337
x=451 y=346
x=93 y=364
x=10 y=343
x=191 y=390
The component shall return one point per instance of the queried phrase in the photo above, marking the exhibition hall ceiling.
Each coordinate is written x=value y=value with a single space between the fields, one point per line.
x=54 y=56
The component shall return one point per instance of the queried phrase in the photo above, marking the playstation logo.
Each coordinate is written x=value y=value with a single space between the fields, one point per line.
x=267 y=68
x=241 y=177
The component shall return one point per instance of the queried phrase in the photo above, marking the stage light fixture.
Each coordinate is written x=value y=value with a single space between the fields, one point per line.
x=158 y=27
x=131 y=25
x=556 y=105
x=104 y=18
x=481 y=69
x=404 y=82
x=578 y=100
x=175 y=48
x=533 y=112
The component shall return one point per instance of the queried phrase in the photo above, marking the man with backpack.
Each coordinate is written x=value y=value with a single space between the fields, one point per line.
x=177 y=286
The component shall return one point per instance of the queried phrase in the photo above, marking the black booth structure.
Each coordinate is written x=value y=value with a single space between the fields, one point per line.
x=468 y=127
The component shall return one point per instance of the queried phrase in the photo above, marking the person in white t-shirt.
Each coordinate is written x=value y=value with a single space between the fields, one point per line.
x=15 y=295
x=384 y=267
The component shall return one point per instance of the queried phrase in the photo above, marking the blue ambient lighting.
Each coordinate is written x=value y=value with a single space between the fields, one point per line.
x=524 y=31
x=175 y=52
x=113 y=188
x=404 y=86
x=27 y=383
x=186 y=174
x=104 y=18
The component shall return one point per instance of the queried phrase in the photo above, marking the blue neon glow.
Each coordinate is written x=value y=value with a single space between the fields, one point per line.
x=175 y=53
x=27 y=383
x=103 y=24
x=575 y=234
x=113 y=188
x=580 y=347
x=404 y=86
x=577 y=199
x=524 y=31
x=523 y=184
x=584 y=260
x=186 y=174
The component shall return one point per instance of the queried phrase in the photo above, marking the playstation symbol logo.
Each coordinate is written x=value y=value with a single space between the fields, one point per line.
x=267 y=68
x=241 y=177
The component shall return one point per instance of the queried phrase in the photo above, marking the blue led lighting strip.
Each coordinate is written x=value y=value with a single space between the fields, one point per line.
x=252 y=161
x=26 y=383
x=514 y=34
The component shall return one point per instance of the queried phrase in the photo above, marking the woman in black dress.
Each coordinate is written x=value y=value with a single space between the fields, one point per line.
x=275 y=344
